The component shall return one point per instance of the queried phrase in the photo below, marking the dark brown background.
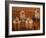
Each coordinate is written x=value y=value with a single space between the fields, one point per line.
x=28 y=11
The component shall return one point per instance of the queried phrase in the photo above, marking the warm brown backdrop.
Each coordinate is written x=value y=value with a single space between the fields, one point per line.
x=28 y=11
